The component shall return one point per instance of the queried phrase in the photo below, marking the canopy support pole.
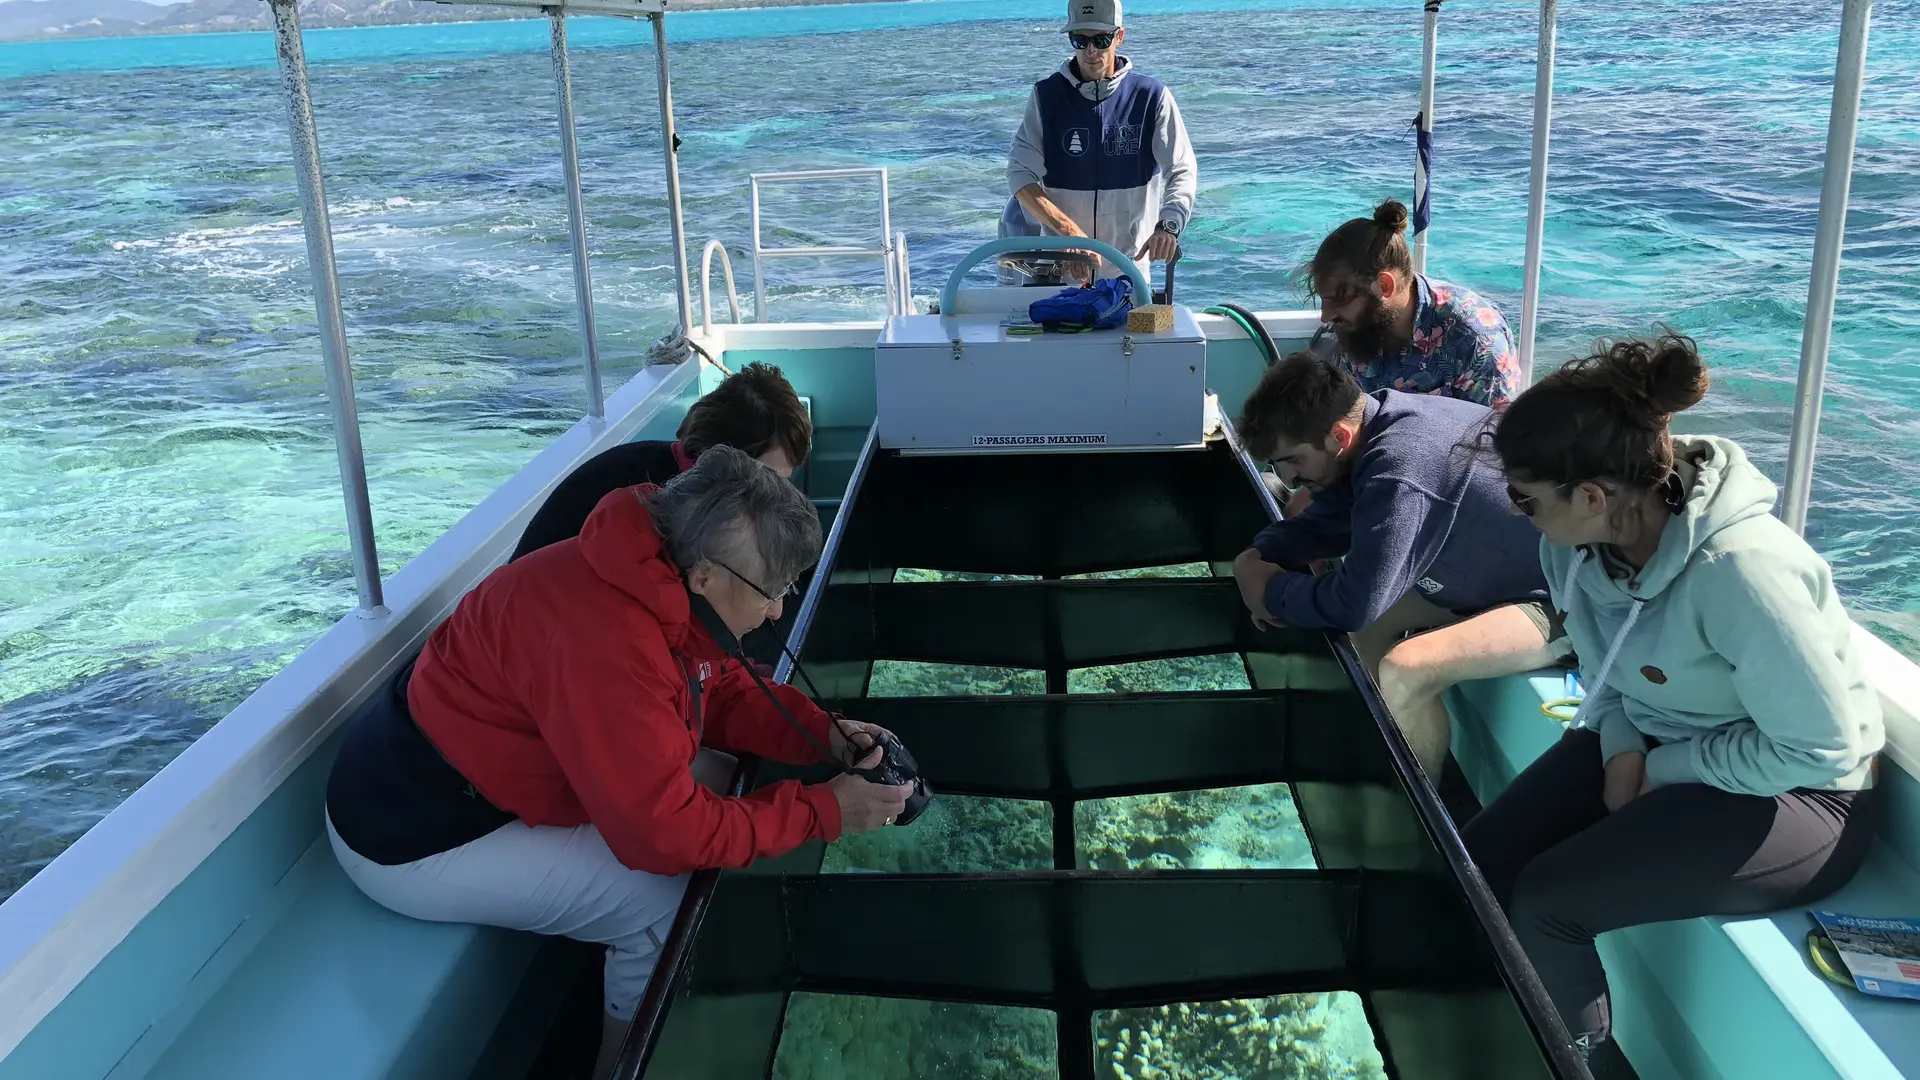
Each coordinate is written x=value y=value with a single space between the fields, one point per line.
x=326 y=300
x=1537 y=189
x=1423 y=160
x=576 y=214
x=672 y=138
x=1843 y=124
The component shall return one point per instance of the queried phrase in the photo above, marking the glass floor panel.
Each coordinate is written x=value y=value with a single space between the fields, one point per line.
x=1287 y=1037
x=1225 y=671
x=1177 y=570
x=958 y=834
x=911 y=678
x=841 y=1037
x=915 y=574
x=1239 y=828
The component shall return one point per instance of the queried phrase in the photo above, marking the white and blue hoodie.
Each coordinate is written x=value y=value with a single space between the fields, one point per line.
x=1112 y=154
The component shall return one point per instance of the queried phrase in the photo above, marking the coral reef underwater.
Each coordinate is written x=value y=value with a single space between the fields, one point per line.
x=1286 y=1037
x=1316 y=1036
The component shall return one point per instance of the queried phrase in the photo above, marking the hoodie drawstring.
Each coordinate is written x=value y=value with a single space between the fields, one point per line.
x=1599 y=681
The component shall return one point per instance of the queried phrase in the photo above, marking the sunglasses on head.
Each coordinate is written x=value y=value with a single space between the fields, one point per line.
x=1098 y=41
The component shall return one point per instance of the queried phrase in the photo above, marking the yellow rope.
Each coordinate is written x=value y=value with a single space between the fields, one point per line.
x=1826 y=958
x=1571 y=704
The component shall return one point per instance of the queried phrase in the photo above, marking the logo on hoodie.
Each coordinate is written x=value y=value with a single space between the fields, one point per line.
x=1120 y=140
x=1428 y=585
x=706 y=671
x=1075 y=141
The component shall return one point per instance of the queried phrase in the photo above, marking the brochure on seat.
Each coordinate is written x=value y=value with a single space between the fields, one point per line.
x=1882 y=955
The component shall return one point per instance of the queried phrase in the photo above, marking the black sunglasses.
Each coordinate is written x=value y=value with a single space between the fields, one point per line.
x=764 y=594
x=1098 y=41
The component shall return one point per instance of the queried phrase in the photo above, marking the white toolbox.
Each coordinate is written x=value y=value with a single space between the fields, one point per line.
x=965 y=384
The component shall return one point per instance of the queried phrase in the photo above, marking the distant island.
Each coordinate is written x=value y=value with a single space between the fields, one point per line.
x=52 y=20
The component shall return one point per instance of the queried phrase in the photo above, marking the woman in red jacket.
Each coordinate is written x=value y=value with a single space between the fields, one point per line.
x=534 y=768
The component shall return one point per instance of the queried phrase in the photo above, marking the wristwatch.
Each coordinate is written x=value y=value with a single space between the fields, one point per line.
x=1169 y=228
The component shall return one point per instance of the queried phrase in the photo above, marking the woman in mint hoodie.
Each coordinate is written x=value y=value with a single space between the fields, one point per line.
x=1723 y=760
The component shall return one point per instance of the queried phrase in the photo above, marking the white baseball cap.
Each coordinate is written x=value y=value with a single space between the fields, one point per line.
x=1093 y=16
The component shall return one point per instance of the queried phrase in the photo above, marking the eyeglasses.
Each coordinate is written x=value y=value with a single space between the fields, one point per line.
x=1528 y=504
x=764 y=594
x=1098 y=41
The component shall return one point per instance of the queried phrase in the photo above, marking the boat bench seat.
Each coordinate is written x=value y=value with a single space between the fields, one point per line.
x=1719 y=998
x=340 y=988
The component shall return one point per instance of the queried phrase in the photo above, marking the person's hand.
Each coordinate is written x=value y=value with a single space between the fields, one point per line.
x=1085 y=272
x=1262 y=622
x=1159 y=247
x=1626 y=780
x=855 y=734
x=1297 y=503
x=1252 y=574
x=865 y=805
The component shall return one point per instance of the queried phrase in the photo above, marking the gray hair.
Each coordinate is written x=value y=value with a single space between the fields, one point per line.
x=728 y=506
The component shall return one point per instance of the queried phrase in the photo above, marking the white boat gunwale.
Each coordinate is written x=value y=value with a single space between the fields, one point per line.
x=72 y=914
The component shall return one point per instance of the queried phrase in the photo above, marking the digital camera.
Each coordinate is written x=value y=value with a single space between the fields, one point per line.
x=898 y=767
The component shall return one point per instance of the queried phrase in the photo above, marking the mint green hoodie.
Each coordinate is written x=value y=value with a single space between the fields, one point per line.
x=1739 y=670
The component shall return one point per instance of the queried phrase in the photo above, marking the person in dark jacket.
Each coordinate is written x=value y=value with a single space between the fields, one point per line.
x=753 y=409
x=1429 y=540
x=536 y=767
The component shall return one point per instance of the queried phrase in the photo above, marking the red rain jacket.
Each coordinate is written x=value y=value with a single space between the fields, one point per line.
x=560 y=689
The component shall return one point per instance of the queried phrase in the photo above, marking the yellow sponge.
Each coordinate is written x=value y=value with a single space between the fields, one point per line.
x=1150 y=319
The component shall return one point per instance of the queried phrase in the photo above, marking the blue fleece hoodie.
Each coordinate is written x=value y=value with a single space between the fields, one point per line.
x=1423 y=508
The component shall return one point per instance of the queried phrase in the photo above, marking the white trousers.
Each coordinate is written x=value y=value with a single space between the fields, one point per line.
x=544 y=880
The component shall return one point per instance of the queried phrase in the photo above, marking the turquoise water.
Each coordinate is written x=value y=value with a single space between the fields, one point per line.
x=170 y=516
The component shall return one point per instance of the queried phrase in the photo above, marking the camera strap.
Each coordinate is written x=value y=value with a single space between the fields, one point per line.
x=694 y=717
x=729 y=644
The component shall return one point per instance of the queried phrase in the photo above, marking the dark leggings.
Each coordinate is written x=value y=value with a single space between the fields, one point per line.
x=1567 y=871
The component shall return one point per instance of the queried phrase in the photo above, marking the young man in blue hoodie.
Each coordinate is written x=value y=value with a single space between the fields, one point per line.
x=1429 y=540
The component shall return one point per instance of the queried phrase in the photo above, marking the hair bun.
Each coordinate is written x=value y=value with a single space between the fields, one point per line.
x=1676 y=377
x=1391 y=216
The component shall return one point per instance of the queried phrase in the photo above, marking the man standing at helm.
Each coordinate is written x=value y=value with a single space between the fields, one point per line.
x=1102 y=151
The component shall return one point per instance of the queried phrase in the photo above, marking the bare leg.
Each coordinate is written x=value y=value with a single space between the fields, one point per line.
x=1408 y=614
x=1413 y=673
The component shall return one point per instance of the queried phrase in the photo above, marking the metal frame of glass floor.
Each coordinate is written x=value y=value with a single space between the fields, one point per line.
x=1165 y=843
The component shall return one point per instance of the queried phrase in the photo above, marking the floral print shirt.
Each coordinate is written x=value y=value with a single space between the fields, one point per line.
x=1461 y=348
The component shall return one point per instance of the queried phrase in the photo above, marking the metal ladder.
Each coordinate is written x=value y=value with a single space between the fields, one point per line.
x=892 y=248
